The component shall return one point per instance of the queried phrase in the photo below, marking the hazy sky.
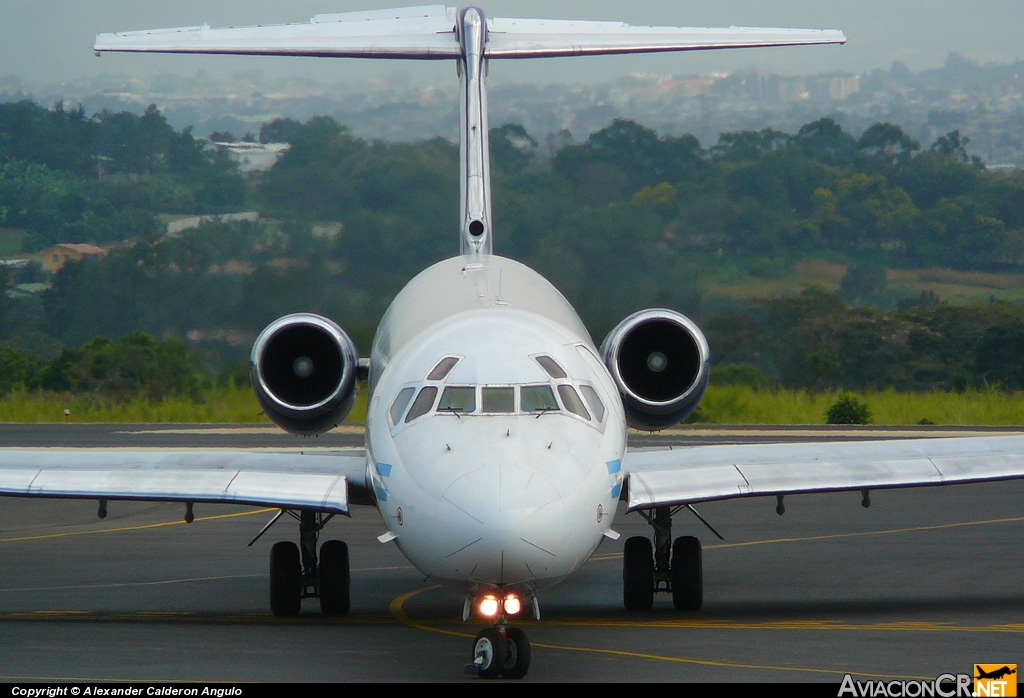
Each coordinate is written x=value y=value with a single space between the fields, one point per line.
x=49 y=40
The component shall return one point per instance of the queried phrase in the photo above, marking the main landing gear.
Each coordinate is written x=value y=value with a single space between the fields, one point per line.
x=295 y=576
x=647 y=569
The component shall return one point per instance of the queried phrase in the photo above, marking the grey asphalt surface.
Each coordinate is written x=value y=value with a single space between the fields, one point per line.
x=925 y=582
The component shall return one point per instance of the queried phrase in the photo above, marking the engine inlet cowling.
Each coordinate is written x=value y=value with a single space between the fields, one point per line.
x=660 y=361
x=303 y=371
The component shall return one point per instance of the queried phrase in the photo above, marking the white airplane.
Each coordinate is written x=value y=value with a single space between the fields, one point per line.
x=496 y=428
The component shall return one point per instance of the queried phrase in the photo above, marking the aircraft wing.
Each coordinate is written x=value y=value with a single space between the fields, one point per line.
x=318 y=481
x=705 y=473
x=429 y=33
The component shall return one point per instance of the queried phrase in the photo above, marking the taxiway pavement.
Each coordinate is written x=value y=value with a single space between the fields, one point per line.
x=925 y=582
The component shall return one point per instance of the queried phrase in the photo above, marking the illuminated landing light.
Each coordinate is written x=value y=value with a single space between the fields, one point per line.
x=513 y=605
x=489 y=606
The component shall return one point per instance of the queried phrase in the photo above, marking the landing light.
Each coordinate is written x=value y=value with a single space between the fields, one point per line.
x=489 y=606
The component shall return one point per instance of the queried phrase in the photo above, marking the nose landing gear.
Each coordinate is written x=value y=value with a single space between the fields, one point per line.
x=500 y=651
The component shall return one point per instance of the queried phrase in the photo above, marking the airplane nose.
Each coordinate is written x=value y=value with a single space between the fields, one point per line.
x=517 y=524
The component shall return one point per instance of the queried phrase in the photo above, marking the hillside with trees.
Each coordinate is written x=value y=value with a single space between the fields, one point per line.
x=626 y=219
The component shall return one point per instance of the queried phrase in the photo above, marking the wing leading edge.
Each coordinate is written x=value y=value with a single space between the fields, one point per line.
x=705 y=473
x=287 y=481
x=429 y=33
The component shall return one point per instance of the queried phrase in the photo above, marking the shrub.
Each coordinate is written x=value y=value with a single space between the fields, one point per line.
x=847 y=409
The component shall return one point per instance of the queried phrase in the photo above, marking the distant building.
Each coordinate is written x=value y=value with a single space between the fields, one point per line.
x=254 y=157
x=25 y=290
x=53 y=259
x=176 y=227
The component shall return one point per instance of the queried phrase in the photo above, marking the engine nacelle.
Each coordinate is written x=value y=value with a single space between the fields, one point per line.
x=660 y=361
x=303 y=370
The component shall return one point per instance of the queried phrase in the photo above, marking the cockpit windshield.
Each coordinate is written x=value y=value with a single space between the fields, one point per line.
x=458 y=399
x=561 y=395
x=506 y=399
x=537 y=397
x=499 y=400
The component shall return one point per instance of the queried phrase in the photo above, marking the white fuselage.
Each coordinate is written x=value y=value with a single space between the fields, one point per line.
x=500 y=473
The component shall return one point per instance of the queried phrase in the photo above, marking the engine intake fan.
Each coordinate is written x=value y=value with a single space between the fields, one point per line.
x=660 y=361
x=303 y=370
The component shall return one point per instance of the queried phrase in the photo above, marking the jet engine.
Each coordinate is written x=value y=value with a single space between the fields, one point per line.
x=660 y=361
x=303 y=370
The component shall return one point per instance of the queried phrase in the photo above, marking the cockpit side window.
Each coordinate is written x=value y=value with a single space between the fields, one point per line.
x=572 y=401
x=424 y=401
x=458 y=399
x=596 y=406
x=400 y=403
x=551 y=366
x=534 y=398
x=443 y=368
x=498 y=400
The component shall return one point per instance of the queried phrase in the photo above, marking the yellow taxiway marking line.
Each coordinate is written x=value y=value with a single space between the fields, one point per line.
x=134 y=528
x=860 y=534
x=183 y=580
x=398 y=610
x=822 y=432
x=270 y=429
x=834 y=536
x=190 y=617
x=711 y=624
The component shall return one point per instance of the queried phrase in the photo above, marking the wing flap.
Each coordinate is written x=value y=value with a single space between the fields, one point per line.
x=681 y=476
x=417 y=32
x=288 y=481
x=530 y=38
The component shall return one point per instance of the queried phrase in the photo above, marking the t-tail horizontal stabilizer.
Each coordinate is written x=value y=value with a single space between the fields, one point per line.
x=431 y=33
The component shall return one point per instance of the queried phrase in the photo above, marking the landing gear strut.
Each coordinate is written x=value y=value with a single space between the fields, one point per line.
x=295 y=576
x=673 y=567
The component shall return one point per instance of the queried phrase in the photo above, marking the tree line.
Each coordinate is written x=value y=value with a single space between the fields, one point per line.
x=623 y=220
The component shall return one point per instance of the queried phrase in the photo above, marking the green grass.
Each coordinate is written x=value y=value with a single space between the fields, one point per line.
x=217 y=406
x=957 y=287
x=742 y=405
x=721 y=405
